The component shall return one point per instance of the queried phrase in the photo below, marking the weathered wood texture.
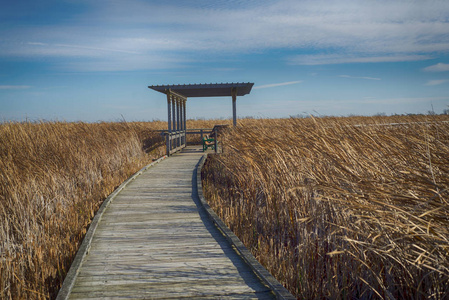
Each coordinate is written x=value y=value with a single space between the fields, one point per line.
x=153 y=242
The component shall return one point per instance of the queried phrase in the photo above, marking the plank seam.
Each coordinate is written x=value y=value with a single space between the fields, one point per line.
x=84 y=248
x=280 y=291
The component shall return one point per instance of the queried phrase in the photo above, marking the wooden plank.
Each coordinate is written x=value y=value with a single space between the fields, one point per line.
x=154 y=242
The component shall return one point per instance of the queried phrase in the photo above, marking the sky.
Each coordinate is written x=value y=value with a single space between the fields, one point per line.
x=93 y=60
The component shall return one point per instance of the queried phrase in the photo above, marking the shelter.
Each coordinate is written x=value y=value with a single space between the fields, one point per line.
x=176 y=102
x=184 y=91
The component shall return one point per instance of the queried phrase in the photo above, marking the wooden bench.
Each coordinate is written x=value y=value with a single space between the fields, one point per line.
x=208 y=143
x=209 y=140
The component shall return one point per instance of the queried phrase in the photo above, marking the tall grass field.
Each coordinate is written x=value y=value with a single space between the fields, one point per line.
x=53 y=177
x=334 y=207
x=340 y=208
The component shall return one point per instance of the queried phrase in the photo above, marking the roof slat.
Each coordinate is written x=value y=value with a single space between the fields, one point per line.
x=205 y=90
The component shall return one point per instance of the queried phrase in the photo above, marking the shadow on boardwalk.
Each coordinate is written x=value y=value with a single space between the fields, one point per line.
x=155 y=240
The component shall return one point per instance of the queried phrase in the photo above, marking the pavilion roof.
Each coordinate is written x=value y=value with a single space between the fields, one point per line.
x=206 y=89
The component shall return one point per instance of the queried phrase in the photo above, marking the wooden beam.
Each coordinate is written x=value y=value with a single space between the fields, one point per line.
x=175 y=94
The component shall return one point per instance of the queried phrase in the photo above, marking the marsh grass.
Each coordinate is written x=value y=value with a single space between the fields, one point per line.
x=340 y=207
x=53 y=178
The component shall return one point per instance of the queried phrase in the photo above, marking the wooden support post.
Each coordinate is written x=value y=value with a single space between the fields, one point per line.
x=168 y=142
x=174 y=119
x=178 y=124
x=181 y=104
x=169 y=111
x=182 y=123
x=234 y=106
x=185 y=121
x=174 y=113
x=177 y=114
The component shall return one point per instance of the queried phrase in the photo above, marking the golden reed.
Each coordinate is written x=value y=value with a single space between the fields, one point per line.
x=53 y=177
x=340 y=208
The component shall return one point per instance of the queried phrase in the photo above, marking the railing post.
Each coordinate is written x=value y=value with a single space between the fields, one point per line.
x=167 y=141
x=216 y=140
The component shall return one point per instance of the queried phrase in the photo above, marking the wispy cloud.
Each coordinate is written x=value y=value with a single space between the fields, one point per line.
x=439 y=67
x=404 y=100
x=357 y=77
x=58 y=49
x=378 y=31
x=320 y=59
x=14 y=87
x=95 y=48
x=276 y=84
x=436 y=82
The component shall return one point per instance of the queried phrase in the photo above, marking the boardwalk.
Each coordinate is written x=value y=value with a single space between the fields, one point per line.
x=154 y=241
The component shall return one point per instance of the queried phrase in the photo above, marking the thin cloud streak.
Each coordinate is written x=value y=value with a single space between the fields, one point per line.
x=355 y=58
x=95 y=48
x=436 y=82
x=356 y=77
x=404 y=100
x=439 y=67
x=276 y=84
x=14 y=87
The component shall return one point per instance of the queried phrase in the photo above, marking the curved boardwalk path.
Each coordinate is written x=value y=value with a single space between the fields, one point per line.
x=154 y=241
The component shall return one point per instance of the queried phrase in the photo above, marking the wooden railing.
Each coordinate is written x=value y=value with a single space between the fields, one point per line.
x=176 y=140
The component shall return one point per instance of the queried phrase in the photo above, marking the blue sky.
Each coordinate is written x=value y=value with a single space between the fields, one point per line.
x=93 y=60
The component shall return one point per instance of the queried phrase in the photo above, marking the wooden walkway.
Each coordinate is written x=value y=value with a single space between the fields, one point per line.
x=155 y=242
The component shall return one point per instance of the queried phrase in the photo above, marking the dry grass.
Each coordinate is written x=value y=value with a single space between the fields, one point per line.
x=193 y=139
x=333 y=210
x=54 y=176
x=340 y=211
